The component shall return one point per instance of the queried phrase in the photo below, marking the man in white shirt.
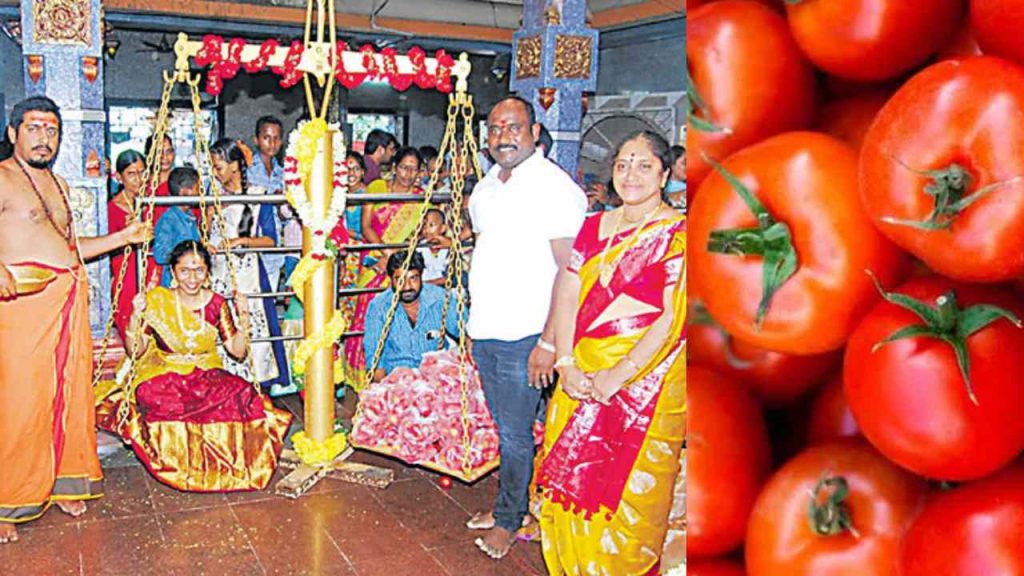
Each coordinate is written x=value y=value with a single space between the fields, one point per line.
x=526 y=213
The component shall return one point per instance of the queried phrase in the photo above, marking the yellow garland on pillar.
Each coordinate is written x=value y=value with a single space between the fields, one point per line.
x=315 y=453
x=304 y=270
x=322 y=339
x=304 y=149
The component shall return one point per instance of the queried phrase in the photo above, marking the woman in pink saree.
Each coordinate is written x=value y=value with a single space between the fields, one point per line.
x=615 y=424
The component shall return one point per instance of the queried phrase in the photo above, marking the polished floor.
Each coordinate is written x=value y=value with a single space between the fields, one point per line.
x=143 y=527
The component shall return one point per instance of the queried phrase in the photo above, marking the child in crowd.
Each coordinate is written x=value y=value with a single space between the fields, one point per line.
x=435 y=256
x=179 y=223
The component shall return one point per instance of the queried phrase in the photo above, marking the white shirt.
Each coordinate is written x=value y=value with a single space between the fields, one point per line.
x=514 y=268
x=435 y=265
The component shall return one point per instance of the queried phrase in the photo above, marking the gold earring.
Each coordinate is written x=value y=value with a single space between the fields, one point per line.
x=207 y=283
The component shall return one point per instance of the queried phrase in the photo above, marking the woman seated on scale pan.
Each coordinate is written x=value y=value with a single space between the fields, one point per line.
x=195 y=426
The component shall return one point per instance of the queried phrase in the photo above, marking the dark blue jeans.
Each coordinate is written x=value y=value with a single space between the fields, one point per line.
x=514 y=405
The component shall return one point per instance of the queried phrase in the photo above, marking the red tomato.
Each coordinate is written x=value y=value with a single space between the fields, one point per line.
x=872 y=39
x=807 y=182
x=997 y=25
x=728 y=458
x=849 y=118
x=748 y=96
x=775 y=378
x=773 y=4
x=714 y=568
x=962 y=45
x=962 y=117
x=830 y=417
x=911 y=400
x=974 y=530
x=864 y=540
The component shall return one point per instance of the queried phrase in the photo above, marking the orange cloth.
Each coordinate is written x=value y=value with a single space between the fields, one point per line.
x=47 y=431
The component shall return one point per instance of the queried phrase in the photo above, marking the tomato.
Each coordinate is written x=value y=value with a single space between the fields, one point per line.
x=744 y=95
x=867 y=524
x=807 y=185
x=830 y=416
x=728 y=458
x=997 y=25
x=775 y=378
x=872 y=39
x=963 y=118
x=773 y=4
x=974 y=530
x=910 y=398
x=849 y=118
x=962 y=45
x=714 y=568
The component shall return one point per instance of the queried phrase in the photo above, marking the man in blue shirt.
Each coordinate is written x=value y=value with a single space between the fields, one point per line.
x=267 y=173
x=417 y=326
x=178 y=224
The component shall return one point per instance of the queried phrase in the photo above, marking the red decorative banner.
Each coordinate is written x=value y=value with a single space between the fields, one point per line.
x=90 y=68
x=225 y=66
x=35 y=67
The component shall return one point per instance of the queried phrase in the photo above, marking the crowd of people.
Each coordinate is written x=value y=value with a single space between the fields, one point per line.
x=573 y=319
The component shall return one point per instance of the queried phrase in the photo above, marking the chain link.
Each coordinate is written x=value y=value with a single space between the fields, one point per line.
x=205 y=159
x=460 y=107
x=149 y=178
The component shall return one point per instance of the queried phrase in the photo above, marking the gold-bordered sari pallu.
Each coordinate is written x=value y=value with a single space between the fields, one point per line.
x=609 y=471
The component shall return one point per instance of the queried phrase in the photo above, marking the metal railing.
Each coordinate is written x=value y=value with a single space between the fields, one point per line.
x=275 y=199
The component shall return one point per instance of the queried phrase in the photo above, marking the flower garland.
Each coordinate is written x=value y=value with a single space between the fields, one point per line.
x=315 y=453
x=224 y=59
x=318 y=341
x=298 y=165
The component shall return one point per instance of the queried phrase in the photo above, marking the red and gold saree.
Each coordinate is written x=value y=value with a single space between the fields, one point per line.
x=609 y=471
x=194 y=425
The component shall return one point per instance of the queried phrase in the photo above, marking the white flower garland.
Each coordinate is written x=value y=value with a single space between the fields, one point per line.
x=298 y=165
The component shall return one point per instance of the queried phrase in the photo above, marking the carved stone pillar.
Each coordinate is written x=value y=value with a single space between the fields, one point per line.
x=62 y=43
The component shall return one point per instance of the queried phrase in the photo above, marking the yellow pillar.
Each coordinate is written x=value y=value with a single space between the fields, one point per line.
x=319 y=303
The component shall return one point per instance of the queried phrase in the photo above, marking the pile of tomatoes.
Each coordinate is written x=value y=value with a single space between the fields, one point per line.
x=856 y=244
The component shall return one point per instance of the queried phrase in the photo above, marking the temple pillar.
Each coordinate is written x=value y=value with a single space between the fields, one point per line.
x=554 y=65
x=62 y=47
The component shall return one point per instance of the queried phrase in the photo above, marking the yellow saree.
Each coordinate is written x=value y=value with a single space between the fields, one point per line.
x=195 y=426
x=609 y=471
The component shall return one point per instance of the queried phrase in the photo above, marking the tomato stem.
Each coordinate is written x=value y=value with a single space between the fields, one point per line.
x=695 y=103
x=770 y=239
x=948 y=187
x=830 y=517
x=946 y=321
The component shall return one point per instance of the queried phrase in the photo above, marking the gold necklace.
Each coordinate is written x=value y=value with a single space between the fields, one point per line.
x=191 y=336
x=608 y=271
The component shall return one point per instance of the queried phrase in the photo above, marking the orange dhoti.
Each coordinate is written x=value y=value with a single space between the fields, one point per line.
x=47 y=431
